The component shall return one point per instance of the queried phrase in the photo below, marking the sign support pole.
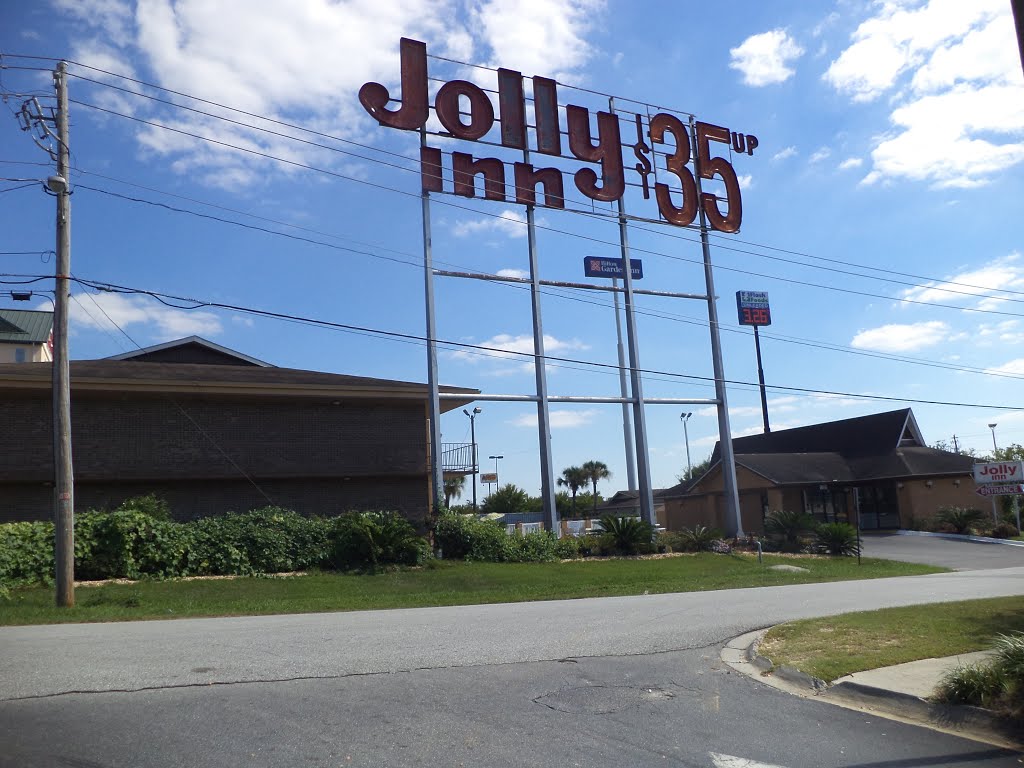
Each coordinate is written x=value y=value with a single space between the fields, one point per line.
x=733 y=519
x=434 y=405
x=547 y=469
x=627 y=425
x=646 y=495
x=760 y=379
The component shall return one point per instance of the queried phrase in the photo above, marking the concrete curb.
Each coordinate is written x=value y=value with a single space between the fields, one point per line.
x=741 y=654
x=962 y=537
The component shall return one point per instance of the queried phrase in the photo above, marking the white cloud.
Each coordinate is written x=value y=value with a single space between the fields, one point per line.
x=505 y=346
x=822 y=154
x=520 y=273
x=114 y=312
x=985 y=283
x=746 y=181
x=538 y=37
x=765 y=59
x=958 y=114
x=560 y=419
x=509 y=222
x=851 y=162
x=897 y=337
x=323 y=51
x=1013 y=367
x=782 y=154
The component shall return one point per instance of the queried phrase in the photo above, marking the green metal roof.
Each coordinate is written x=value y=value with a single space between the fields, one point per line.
x=23 y=326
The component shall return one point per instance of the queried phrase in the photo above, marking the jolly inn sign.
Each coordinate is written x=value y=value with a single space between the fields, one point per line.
x=677 y=201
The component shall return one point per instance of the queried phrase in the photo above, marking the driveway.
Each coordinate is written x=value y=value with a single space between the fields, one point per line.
x=962 y=555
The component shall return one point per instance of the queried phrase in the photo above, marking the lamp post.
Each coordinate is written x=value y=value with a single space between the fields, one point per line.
x=685 y=417
x=495 y=469
x=472 y=437
x=995 y=448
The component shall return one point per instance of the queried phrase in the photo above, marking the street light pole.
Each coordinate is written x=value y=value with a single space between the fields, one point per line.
x=995 y=449
x=685 y=417
x=472 y=437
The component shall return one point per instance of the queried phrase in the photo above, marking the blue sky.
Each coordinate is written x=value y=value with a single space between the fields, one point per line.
x=887 y=182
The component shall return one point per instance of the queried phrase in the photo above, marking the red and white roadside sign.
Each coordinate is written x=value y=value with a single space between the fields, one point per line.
x=1002 y=472
x=999 y=490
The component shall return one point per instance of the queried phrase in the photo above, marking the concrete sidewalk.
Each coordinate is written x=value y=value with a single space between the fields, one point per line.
x=900 y=692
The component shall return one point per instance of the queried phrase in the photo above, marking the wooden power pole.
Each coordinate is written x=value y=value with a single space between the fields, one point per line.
x=64 y=492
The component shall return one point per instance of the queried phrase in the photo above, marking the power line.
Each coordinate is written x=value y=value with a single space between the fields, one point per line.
x=197 y=303
x=698 y=262
x=552 y=292
x=641 y=228
x=321 y=134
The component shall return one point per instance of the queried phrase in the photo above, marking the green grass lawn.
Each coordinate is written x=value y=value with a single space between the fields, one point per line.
x=441 y=583
x=841 y=645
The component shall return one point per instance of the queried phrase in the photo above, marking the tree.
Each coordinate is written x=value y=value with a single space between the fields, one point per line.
x=574 y=478
x=507 y=500
x=695 y=471
x=596 y=470
x=453 y=488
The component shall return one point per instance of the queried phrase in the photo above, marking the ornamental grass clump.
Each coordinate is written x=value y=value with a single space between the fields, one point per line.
x=997 y=685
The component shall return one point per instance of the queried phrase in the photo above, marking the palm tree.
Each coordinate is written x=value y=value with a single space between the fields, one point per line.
x=574 y=478
x=596 y=470
x=453 y=488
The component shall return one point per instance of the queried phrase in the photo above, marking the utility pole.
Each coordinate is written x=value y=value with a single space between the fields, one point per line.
x=64 y=492
x=956 y=445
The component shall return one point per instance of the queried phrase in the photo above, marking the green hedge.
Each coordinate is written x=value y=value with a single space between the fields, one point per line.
x=139 y=540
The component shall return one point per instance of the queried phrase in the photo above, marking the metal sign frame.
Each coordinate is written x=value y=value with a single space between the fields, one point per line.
x=672 y=149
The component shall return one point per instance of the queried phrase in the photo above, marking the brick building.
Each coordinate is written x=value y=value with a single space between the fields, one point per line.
x=874 y=469
x=212 y=430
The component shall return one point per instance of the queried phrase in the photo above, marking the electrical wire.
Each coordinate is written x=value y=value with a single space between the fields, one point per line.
x=562 y=293
x=844 y=290
x=198 y=303
x=721 y=245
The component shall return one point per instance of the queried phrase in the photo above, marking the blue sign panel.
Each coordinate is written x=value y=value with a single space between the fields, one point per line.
x=753 y=308
x=597 y=267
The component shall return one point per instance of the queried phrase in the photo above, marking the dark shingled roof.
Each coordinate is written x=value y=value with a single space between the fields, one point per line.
x=25 y=326
x=229 y=379
x=874 y=434
x=881 y=445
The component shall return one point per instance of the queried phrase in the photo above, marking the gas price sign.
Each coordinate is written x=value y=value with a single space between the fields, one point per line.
x=752 y=308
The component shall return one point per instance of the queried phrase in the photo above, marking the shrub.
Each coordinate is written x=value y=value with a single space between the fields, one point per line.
x=127 y=543
x=789 y=525
x=997 y=684
x=1003 y=531
x=463 y=537
x=837 y=539
x=26 y=554
x=568 y=548
x=266 y=540
x=532 y=547
x=960 y=519
x=370 y=540
x=150 y=504
x=627 y=535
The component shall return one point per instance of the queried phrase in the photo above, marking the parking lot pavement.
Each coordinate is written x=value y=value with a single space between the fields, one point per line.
x=960 y=555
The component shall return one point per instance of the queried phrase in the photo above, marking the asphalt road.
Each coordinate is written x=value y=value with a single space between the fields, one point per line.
x=960 y=555
x=603 y=682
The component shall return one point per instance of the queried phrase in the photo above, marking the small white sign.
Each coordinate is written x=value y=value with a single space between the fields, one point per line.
x=999 y=490
x=999 y=472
